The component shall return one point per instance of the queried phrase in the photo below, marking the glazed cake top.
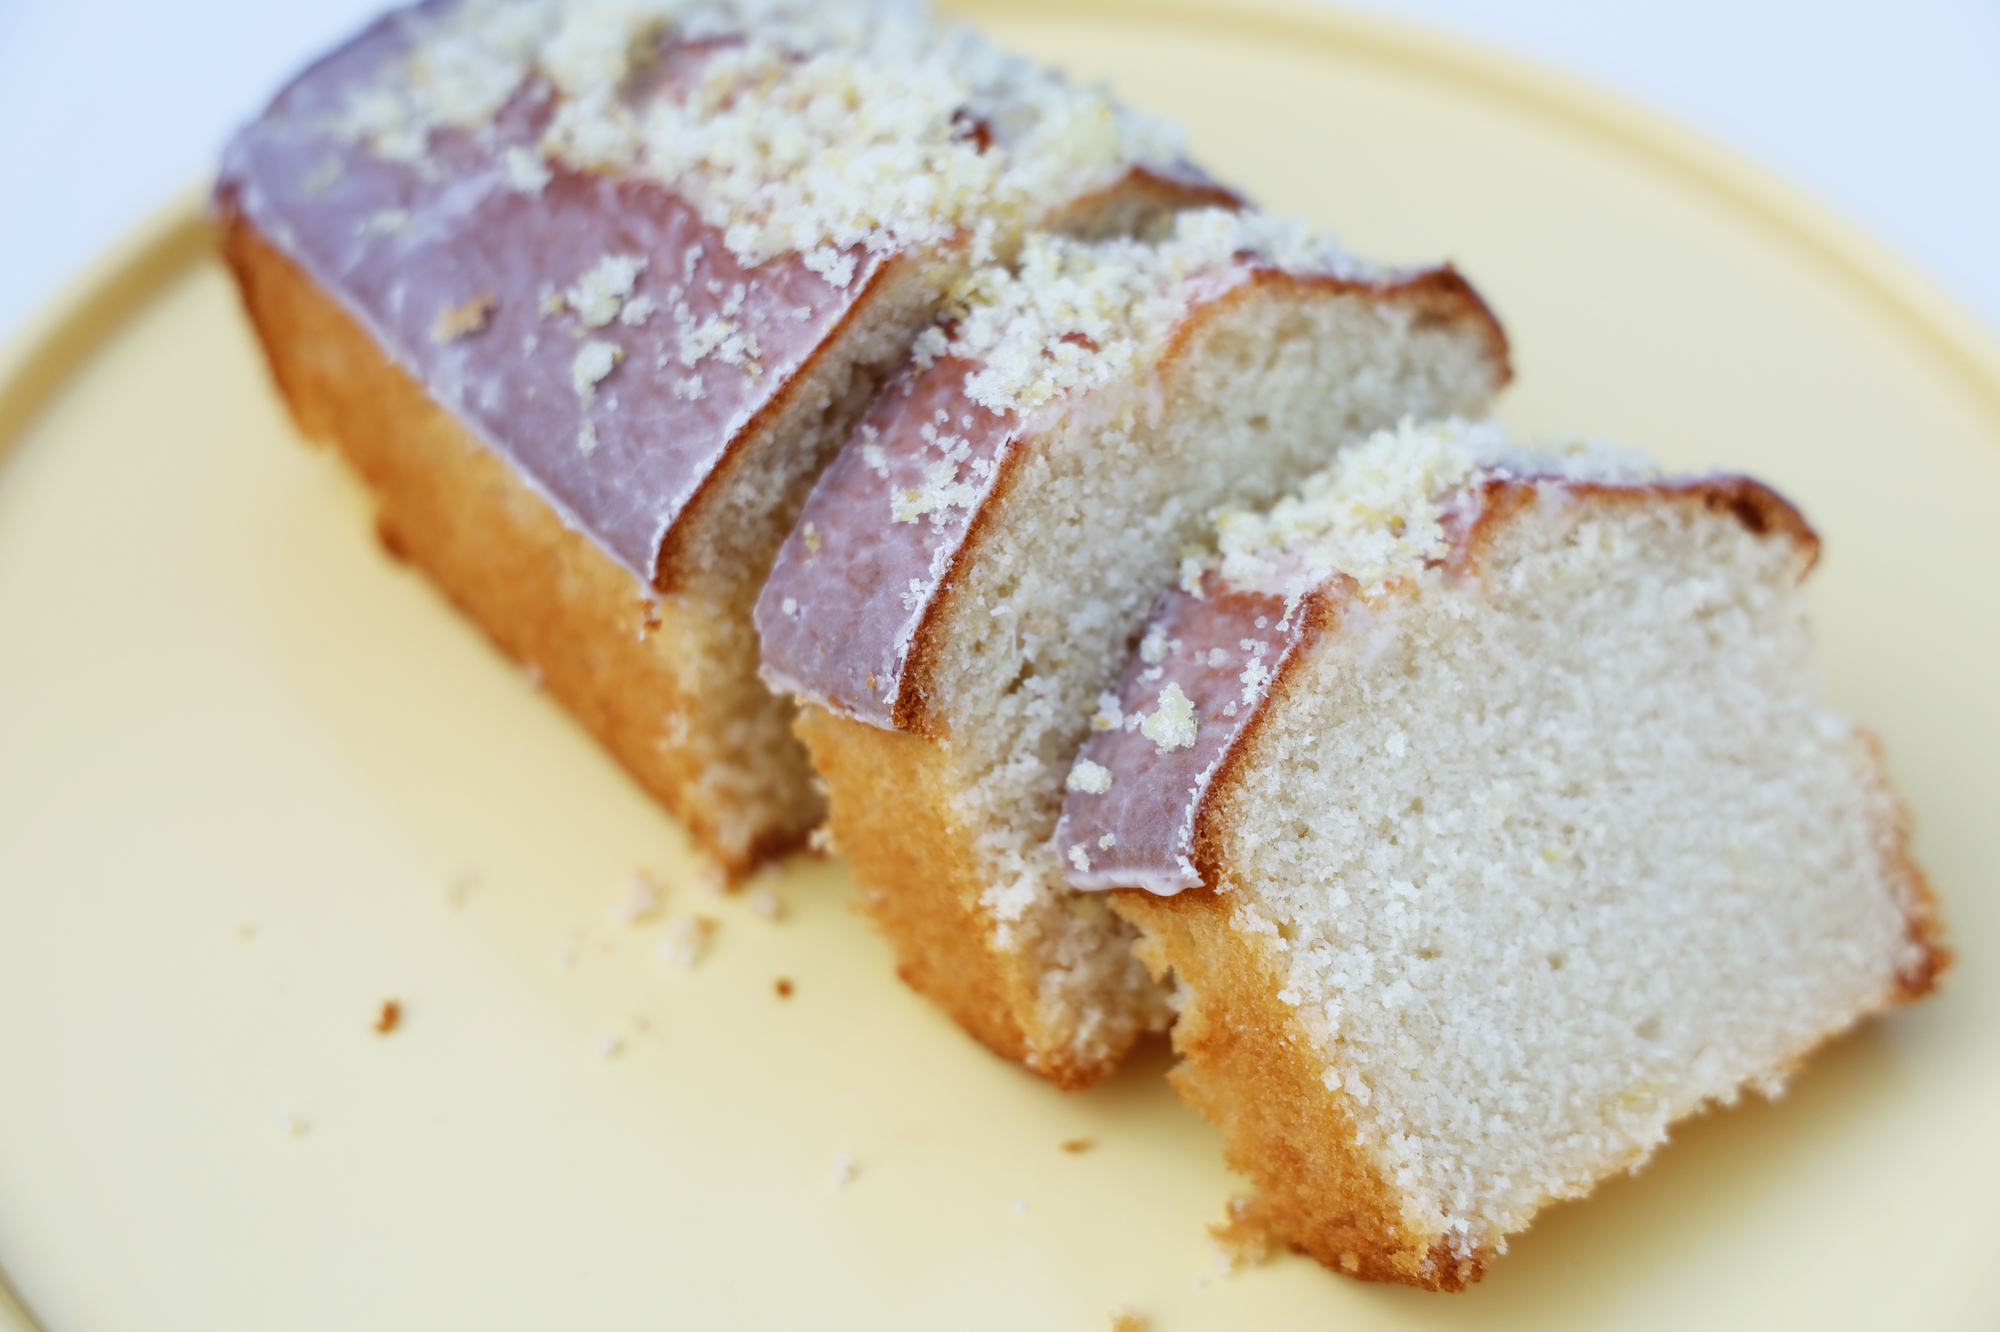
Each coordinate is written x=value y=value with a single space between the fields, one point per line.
x=608 y=237
x=795 y=127
x=1074 y=327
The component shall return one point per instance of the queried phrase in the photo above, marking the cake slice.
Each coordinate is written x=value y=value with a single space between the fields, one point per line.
x=1497 y=829
x=589 y=293
x=973 y=569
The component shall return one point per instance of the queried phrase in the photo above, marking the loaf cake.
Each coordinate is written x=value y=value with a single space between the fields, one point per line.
x=1496 y=828
x=972 y=570
x=589 y=293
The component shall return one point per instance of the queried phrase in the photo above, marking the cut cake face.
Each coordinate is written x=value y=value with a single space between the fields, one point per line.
x=658 y=258
x=1494 y=827
x=972 y=570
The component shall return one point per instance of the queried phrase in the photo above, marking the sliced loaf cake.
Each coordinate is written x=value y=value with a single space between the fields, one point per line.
x=589 y=293
x=973 y=569
x=1478 y=802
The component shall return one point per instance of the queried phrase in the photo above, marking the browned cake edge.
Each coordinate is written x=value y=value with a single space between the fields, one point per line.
x=891 y=815
x=1249 y=1069
x=543 y=592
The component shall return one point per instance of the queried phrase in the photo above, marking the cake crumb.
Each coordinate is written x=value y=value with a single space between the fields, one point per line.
x=1172 y=724
x=608 y=1044
x=1089 y=778
x=1240 y=1240
x=844 y=1171
x=1075 y=1146
x=387 y=222
x=1107 y=717
x=457 y=321
x=687 y=940
x=765 y=902
x=1125 y=1318
x=1020 y=1207
x=526 y=172
x=784 y=987
x=390 y=1018
x=594 y=360
x=321 y=178
x=459 y=887
x=600 y=294
x=291 y=1125
x=641 y=900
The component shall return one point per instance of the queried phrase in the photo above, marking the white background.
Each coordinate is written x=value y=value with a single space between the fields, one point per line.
x=1890 y=112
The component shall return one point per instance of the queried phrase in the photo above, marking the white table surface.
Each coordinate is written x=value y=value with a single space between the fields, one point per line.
x=1890 y=112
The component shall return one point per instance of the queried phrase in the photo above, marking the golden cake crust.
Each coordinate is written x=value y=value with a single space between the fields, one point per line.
x=1249 y=1071
x=544 y=593
x=891 y=811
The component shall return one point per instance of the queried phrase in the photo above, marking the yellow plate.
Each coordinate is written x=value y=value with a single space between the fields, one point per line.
x=244 y=758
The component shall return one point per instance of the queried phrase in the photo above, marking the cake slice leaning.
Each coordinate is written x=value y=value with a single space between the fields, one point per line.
x=589 y=294
x=1500 y=830
x=971 y=572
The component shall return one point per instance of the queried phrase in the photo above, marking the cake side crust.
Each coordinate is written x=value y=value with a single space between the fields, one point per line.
x=1248 y=1071
x=548 y=596
x=892 y=814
